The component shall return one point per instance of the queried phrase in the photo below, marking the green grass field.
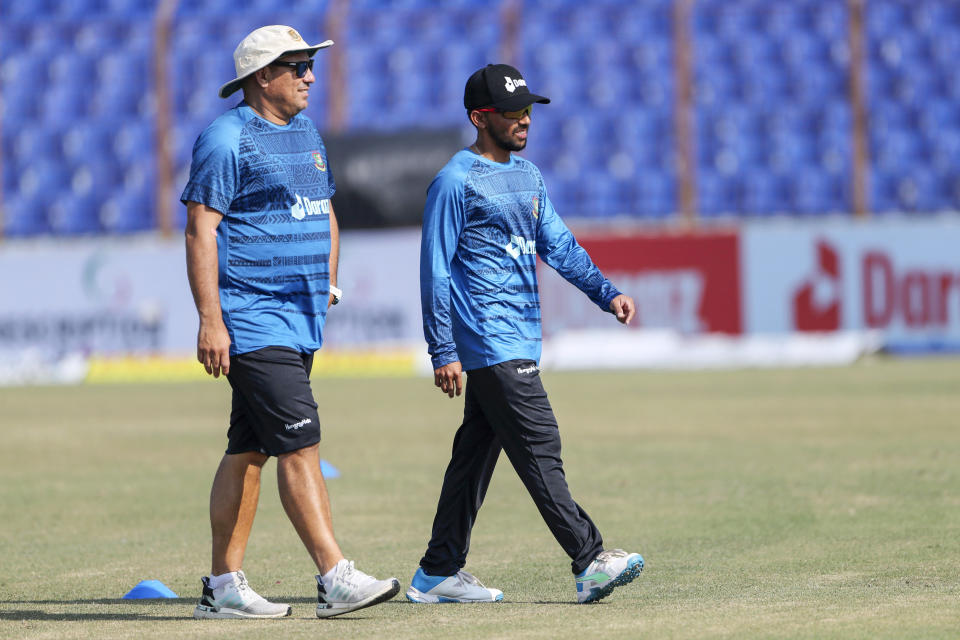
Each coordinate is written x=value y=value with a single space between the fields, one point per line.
x=812 y=503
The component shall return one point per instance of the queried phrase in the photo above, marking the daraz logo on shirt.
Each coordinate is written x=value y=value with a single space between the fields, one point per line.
x=306 y=207
x=519 y=245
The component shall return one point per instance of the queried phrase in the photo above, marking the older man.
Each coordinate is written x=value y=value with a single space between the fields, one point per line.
x=262 y=250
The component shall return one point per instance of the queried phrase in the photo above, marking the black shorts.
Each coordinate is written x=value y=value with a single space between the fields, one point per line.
x=273 y=407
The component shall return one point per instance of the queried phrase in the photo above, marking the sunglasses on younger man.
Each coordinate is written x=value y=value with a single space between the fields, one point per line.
x=511 y=115
x=299 y=67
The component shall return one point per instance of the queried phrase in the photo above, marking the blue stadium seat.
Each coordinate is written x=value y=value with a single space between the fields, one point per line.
x=952 y=187
x=810 y=85
x=16 y=12
x=711 y=54
x=131 y=140
x=884 y=16
x=716 y=194
x=763 y=83
x=95 y=180
x=830 y=20
x=75 y=9
x=792 y=151
x=762 y=193
x=128 y=212
x=921 y=191
x=735 y=20
x=65 y=102
x=20 y=101
x=132 y=8
x=637 y=21
x=87 y=139
x=835 y=152
x=654 y=195
x=938 y=115
x=716 y=86
x=755 y=49
x=883 y=192
x=805 y=50
x=898 y=48
x=945 y=44
x=68 y=214
x=181 y=140
x=24 y=216
x=44 y=177
x=783 y=18
x=604 y=196
x=816 y=192
x=930 y=17
x=834 y=115
x=896 y=150
x=944 y=145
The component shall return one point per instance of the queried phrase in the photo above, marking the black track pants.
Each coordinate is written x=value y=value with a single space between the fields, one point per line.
x=506 y=408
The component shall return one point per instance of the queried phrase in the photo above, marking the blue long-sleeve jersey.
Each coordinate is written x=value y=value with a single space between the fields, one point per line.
x=484 y=225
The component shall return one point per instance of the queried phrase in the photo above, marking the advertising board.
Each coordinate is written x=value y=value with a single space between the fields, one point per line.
x=687 y=282
x=900 y=278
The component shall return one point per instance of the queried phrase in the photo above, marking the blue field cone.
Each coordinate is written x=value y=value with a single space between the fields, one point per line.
x=150 y=589
x=328 y=470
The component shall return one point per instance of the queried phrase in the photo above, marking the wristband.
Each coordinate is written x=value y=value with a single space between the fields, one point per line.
x=336 y=293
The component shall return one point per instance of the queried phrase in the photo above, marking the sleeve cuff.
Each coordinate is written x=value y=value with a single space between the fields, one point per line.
x=442 y=359
x=609 y=298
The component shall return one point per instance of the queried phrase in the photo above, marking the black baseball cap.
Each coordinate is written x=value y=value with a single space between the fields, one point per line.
x=500 y=86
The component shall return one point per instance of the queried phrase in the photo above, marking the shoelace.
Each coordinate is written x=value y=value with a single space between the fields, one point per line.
x=611 y=554
x=243 y=588
x=466 y=578
x=352 y=576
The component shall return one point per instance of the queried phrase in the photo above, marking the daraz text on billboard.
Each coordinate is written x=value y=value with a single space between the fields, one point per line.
x=899 y=277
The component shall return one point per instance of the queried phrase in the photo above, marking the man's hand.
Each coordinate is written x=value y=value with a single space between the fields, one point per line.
x=213 y=347
x=624 y=308
x=449 y=378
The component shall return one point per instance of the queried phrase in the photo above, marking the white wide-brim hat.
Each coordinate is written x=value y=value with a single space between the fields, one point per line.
x=264 y=46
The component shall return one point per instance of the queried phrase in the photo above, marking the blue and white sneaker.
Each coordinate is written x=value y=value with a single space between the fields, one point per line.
x=461 y=587
x=608 y=570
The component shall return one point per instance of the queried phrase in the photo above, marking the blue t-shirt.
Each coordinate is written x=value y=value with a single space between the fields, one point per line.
x=273 y=186
x=484 y=225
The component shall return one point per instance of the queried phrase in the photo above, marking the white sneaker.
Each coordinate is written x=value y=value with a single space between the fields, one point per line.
x=608 y=570
x=236 y=600
x=461 y=587
x=352 y=589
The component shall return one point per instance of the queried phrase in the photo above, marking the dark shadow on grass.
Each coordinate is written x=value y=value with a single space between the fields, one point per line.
x=30 y=614
x=166 y=601
x=182 y=602
x=403 y=602
x=485 y=605
x=188 y=603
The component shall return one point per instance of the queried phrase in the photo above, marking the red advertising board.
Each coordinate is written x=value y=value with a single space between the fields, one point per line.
x=689 y=282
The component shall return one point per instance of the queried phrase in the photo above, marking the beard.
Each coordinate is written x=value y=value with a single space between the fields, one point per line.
x=505 y=142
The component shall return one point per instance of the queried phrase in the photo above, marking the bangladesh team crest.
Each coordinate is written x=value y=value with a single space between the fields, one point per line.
x=536 y=207
x=318 y=160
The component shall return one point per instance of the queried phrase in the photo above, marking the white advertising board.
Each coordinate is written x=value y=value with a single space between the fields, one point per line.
x=898 y=277
x=380 y=277
x=95 y=296
x=131 y=296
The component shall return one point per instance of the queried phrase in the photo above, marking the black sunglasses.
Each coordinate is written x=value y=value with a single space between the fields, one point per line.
x=300 y=66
